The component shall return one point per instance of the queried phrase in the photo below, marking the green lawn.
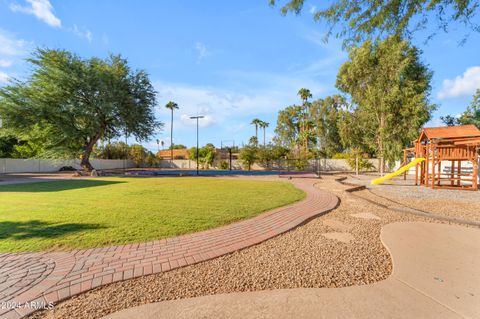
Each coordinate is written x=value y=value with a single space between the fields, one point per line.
x=99 y=212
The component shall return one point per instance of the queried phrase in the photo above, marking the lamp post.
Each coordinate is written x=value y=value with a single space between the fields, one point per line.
x=196 y=118
x=229 y=149
x=126 y=152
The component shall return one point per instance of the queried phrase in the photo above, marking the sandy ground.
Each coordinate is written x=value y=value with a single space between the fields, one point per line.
x=444 y=202
x=334 y=250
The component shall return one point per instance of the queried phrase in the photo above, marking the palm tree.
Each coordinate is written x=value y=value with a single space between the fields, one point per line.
x=264 y=125
x=256 y=122
x=171 y=106
x=304 y=94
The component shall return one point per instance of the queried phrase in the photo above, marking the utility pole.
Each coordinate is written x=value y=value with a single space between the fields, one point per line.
x=197 y=118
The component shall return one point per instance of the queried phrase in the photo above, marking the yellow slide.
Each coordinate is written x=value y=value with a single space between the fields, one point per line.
x=400 y=171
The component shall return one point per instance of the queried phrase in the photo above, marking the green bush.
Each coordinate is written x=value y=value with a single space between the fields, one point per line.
x=151 y=160
x=223 y=164
x=363 y=162
x=138 y=153
x=206 y=155
x=340 y=156
x=301 y=164
x=248 y=156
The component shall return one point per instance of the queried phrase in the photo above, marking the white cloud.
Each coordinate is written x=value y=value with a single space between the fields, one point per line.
x=202 y=51
x=42 y=9
x=82 y=32
x=465 y=84
x=317 y=38
x=206 y=121
x=3 y=77
x=5 y=63
x=313 y=9
x=10 y=46
x=12 y=50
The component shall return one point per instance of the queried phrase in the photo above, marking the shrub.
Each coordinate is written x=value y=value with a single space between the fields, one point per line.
x=223 y=164
x=363 y=162
x=248 y=156
x=264 y=157
x=301 y=164
x=340 y=156
x=206 y=155
x=151 y=160
x=138 y=153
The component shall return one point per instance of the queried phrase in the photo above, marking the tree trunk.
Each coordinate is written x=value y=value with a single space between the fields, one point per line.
x=171 y=139
x=85 y=162
x=380 y=145
x=263 y=137
x=305 y=132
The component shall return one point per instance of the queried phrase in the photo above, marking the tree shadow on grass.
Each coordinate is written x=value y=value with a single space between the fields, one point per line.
x=55 y=186
x=38 y=229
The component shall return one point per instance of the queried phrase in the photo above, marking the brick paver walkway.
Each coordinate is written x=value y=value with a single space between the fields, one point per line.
x=33 y=279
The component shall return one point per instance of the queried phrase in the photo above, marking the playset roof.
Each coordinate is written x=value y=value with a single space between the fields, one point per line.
x=450 y=132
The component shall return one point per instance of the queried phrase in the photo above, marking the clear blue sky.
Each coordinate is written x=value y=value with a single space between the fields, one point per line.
x=231 y=61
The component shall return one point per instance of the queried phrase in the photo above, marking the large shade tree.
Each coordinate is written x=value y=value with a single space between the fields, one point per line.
x=287 y=131
x=358 y=20
x=389 y=87
x=68 y=103
x=325 y=114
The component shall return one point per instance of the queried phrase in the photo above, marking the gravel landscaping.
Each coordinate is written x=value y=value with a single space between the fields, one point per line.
x=444 y=202
x=320 y=253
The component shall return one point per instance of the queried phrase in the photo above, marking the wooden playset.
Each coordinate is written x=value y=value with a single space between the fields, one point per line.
x=446 y=148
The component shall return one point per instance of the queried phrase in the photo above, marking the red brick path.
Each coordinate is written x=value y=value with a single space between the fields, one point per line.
x=41 y=278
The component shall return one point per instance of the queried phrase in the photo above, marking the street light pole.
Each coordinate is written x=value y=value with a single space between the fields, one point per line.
x=196 y=118
x=229 y=149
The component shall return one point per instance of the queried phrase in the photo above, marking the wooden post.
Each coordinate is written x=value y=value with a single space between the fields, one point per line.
x=422 y=170
x=459 y=172
x=427 y=165
x=439 y=170
x=452 y=173
x=475 y=173
x=416 y=175
x=433 y=172
x=434 y=163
